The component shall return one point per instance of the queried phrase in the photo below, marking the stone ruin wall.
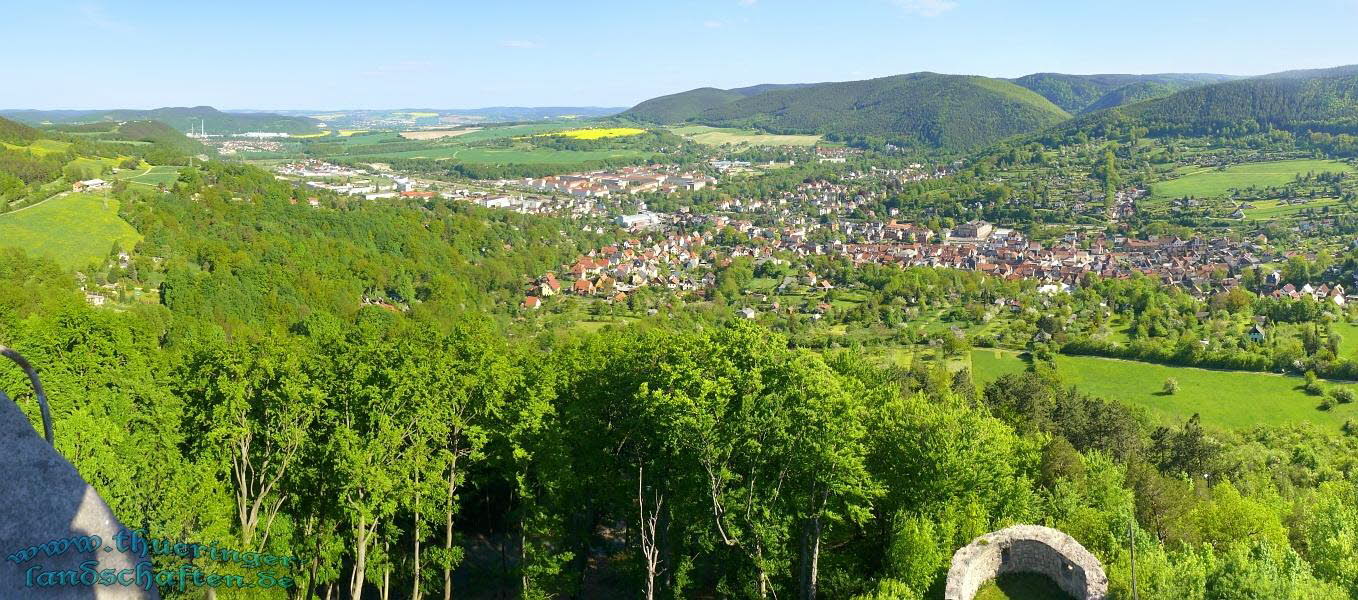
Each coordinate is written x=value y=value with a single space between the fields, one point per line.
x=1026 y=549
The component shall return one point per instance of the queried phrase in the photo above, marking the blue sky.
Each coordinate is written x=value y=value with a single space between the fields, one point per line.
x=298 y=54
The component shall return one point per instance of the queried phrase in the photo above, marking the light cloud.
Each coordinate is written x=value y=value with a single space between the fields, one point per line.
x=925 y=8
x=523 y=44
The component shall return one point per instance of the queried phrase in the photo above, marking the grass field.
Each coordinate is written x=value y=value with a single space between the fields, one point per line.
x=1275 y=209
x=1021 y=586
x=153 y=176
x=1226 y=399
x=716 y=136
x=40 y=147
x=75 y=230
x=546 y=156
x=1208 y=183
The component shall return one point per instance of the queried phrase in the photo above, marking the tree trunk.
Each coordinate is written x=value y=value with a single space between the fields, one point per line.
x=415 y=592
x=360 y=559
x=810 y=557
x=448 y=531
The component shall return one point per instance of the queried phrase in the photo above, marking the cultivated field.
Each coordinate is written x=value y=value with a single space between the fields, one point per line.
x=599 y=133
x=75 y=230
x=1227 y=399
x=435 y=134
x=1209 y=183
x=41 y=147
x=527 y=155
x=716 y=136
x=152 y=176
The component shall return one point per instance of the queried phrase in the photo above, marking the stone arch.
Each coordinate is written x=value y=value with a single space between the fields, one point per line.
x=1026 y=549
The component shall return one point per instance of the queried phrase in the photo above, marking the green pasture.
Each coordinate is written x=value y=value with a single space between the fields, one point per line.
x=1227 y=399
x=153 y=176
x=1208 y=183
x=1276 y=209
x=40 y=147
x=75 y=230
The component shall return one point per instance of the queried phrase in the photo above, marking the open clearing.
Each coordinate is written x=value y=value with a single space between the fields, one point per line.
x=716 y=136
x=1226 y=399
x=434 y=134
x=75 y=230
x=1211 y=183
x=153 y=176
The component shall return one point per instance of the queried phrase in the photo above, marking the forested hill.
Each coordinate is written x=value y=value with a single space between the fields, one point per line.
x=949 y=112
x=181 y=118
x=1320 y=101
x=677 y=108
x=927 y=110
x=1084 y=93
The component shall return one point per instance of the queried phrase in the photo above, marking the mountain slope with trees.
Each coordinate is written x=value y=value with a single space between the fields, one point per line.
x=1318 y=101
x=1081 y=93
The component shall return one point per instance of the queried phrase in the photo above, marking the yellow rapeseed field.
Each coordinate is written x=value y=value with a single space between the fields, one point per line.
x=311 y=135
x=596 y=133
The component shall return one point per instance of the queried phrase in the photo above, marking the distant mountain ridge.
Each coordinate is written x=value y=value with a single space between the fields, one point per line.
x=184 y=119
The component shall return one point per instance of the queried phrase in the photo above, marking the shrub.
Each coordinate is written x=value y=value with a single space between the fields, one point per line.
x=1342 y=395
x=1171 y=386
x=1327 y=403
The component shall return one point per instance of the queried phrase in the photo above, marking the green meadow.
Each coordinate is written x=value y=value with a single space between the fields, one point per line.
x=74 y=230
x=1226 y=399
x=1210 y=183
x=153 y=176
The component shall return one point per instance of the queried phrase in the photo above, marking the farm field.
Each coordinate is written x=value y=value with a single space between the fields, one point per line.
x=40 y=147
x=1207 y=183
x=152 y=176
x=1275 y=209
x=598 y=133
x=508 y=155
x=75 y=230
x=434 y=134
x=1226 y=399
x=716 y=136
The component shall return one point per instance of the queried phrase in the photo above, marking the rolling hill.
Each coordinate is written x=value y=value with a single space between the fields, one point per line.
x=685 y=106
x=1086 y=93
x=948 y=112
x=180 y=118
x=1313 y=100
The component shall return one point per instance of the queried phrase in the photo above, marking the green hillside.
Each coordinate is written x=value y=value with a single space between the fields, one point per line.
x=1138 y=92
x=1084 y=93
x=75 y=230
x=1321 y=100
x=677 y=108
x=950 y=112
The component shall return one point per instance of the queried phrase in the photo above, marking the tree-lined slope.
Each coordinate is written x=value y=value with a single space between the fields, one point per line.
x=1085 y=93
x=180 y=118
